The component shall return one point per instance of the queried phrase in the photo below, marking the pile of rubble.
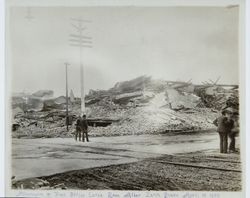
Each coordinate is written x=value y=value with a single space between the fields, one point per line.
x=139 y=106
x=39 y=125
x=217 y=97
x=181 y=100
x=151 y=120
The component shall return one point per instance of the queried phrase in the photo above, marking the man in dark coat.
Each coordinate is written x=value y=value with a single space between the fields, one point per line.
x=84 y=128
x=78 y=128
x=225 y=125
x=234 y=132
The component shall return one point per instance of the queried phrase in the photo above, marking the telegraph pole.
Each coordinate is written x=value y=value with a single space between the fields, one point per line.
x=81 y=41
x=67 y=97
x=29 y=14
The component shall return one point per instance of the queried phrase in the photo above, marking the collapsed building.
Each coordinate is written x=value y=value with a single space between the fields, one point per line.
x=139 y=106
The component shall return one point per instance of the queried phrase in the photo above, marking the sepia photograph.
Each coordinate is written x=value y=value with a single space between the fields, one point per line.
x=128 y=98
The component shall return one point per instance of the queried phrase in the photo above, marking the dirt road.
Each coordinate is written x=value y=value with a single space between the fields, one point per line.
x=42 y=157
x=193 y=171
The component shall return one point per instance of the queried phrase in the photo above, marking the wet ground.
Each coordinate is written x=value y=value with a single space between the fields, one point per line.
x=40 y=157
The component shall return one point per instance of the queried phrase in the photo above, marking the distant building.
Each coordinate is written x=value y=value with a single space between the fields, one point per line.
x=44 y=94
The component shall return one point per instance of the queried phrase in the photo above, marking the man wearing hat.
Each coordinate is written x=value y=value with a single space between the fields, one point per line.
x=84 y=127
x=78 y=128
x=224 y=126
x=234 y=131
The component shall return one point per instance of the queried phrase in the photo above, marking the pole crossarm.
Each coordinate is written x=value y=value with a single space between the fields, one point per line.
x=80 y=20
x=80 y=41
x=79 y=45
x=77 y=39
x=78 y=28
x=80 y=36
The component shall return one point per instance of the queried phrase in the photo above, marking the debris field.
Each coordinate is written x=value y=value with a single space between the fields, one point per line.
x=139 y=106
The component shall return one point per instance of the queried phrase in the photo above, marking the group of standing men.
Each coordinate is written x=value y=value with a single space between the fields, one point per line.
x=227 y=126
x=82 y=129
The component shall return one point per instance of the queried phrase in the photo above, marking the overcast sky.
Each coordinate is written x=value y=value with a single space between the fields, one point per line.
x=172 y=43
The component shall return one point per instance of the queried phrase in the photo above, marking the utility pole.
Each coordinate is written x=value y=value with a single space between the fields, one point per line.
x=81 y=41
x=29 y=14
x=67 y=98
